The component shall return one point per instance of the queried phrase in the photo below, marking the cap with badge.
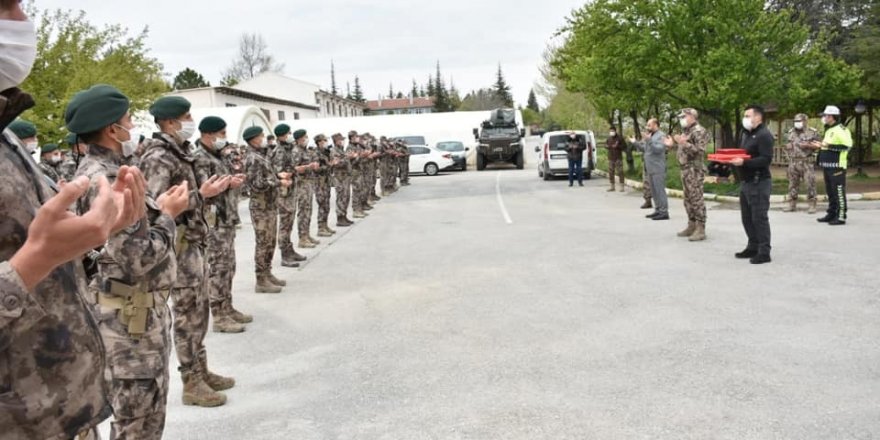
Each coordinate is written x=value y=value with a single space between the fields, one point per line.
x=23 y=129
x=252 y=132
x=170 y=107
x=212 y=124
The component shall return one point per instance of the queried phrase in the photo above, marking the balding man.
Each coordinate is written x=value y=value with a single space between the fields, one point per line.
x=655 y=167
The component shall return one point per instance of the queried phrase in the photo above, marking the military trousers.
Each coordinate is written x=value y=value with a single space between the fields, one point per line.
x=221 y=264
x=305 y=193
x=798 y=172
x=191 y=315
x=342 y=183
x=286 y=216
x=322 y=195
x=265 y=223
x=692 y=178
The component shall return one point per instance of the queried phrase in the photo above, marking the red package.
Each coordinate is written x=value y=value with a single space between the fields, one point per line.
x=727 y=158
x=728 y=151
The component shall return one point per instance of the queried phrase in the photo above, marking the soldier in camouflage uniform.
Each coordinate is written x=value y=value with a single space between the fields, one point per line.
x=263 y=185
x=282 y=161
x=373 y=170
x=403 y=163
x=27 y=133
x=691 y=150
x=233 y=160
x=341 y=179
x=50 y=159
x=167 y=162
x=305 y=159
x=322 y=187
x=52 y=366
x=136 y=270
x=220 y=214
x=356 y=154
x=801 y=162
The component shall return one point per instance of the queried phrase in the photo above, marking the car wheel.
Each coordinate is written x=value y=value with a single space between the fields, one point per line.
x=547 y=174
x=541 y=171
x=519 y=161
x=431 y=169
x=481 y=162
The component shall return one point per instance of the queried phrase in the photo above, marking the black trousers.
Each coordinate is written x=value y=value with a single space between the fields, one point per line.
x=754 y=203
x=835 y=187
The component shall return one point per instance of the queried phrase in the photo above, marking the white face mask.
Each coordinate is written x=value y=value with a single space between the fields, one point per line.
x=747 y=124
x=187 y=129
x=31 y=147
x=799 y=125
x=683 y=122
x=129 y=146
x=55 y=159
x=18 y=50
x=219 y=143
x=612 y=134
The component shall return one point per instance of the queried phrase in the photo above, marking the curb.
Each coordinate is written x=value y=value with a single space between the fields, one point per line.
x=678 y=194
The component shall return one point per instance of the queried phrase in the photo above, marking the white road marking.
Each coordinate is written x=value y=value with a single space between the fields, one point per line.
x=504 y=212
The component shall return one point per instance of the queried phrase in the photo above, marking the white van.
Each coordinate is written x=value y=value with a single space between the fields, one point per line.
x=552 y=159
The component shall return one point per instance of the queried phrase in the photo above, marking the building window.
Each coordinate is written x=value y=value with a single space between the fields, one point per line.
x=230 y=105
x=281 y=115
x=327 y=105
x=267 y=114
x=296 y=116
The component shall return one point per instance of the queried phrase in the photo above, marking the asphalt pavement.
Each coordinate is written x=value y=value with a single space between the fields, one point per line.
x=494 y=305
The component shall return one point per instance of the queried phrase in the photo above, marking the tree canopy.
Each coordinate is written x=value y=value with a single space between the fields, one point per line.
x=189 y=79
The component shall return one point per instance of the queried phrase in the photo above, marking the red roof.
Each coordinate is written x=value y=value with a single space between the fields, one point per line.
x=403 y=103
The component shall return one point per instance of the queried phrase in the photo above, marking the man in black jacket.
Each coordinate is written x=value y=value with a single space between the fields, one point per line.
x=754 y=196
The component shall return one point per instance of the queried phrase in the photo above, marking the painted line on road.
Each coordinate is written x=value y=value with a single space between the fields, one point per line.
x=501 y=199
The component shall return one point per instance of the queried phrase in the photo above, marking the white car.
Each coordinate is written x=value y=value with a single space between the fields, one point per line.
x=458 y=151
x=552 y=159
x=428 y=160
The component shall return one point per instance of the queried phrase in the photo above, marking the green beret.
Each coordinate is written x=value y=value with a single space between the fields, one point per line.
x=95 y=108
x=23 y=129
x=170 y=107
x=282 y=129
x=212 y=124
x=252 y=132
x=48 y=148
x=299 y=134
x=70 y=139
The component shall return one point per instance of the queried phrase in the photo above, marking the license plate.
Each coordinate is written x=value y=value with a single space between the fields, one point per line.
x=558 y=156
x=498 y=149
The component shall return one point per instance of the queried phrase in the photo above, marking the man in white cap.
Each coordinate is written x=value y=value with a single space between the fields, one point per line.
x=833 y=150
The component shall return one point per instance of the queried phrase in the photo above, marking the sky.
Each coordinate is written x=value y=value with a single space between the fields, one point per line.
x=380 y=41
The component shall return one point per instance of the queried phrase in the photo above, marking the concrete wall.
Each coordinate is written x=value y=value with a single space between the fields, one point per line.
x=208 y=98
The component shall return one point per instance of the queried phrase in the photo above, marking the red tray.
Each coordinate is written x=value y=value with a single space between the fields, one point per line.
x=728 y=151
x=727 y=158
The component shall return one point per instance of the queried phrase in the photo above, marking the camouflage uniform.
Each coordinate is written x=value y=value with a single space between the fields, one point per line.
x=165 y=164
x=67 y=168
x=305 y=190
x=615 y=161
x=322 y=189
x=220 y=214
x=232 y=158
x=263 y=186
x=50 y=170
x=373 y=172
x=403 y=163
x=691 y=156
x=136 y=266
x=52 y=367
x=801 y=162
x=357 y=179
x=341 y=181
x=282 y=162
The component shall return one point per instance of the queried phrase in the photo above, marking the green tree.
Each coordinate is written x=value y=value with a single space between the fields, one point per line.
x=415 y=90
x=441 y=94
x=333 y=90
x=533 y=102
x=399 y=95
x=502 y=90
x=390 y=91
x=74 y=54
x=482 y=99
x=863 y=49
x=189 y=79
x=358 y=94
x=430 y=89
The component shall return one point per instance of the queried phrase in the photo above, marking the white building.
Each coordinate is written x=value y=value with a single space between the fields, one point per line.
x=280 y=98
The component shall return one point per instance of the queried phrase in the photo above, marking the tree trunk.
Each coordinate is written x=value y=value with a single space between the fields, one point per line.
x=728 y=139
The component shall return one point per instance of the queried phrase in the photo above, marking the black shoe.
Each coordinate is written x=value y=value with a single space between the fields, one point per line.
x=580 y=183
x=760 y=259
x=825 y=219
x=837 y=222
x=747 y=253
x=652 y=215
x=570 y=184
x=661 y=217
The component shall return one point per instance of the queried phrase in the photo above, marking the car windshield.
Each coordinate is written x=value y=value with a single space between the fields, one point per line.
x=413 y=140
x=559 y=142
x=500 y=132
x=450 y=146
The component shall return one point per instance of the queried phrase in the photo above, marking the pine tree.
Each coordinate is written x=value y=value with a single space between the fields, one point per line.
x=454 y=96
x=358 y=92
x=415 y=90
x=502 y=90
x=390 y=91
x=422 y=92
x=533 y=101
x=333 y=89
x=189 y=79
x=400 y=95
x=430 y=89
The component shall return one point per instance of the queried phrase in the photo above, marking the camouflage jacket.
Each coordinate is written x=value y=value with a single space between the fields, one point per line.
x=305 y=156
x=67 y=169
x=692 y=153
x=52 y=363
x=282 y=162
x=615 y=147
x=261 y=180
x=403 y=150
x=164 y=165
x=357 y=164
x=797 y=140
x=343 y=167
x=50 y=170
x=324 y=158
x=220 y=210
x=233 y=161
x=141 y=255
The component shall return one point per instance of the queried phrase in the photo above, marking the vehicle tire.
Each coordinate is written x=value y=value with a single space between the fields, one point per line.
x=431 y=169
x=546 y=175
x=541 y=171
x=464 y=167
x=519 y=161
x=481 y=162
